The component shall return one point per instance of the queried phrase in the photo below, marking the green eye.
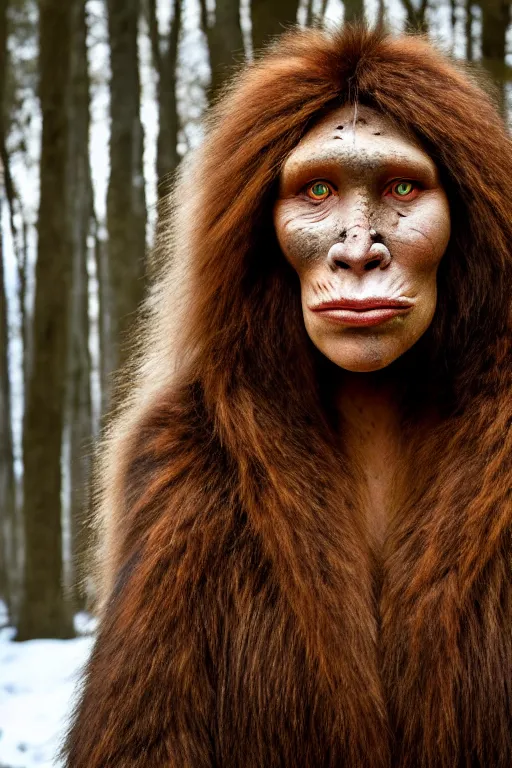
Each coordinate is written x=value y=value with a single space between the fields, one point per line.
x=403 y=188
x=319 y=190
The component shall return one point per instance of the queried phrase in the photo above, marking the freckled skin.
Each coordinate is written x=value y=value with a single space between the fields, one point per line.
x=363 y=241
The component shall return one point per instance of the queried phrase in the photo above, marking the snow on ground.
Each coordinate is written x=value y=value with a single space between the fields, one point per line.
x=37 y=683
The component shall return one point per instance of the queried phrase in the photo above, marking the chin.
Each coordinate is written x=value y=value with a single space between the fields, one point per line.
x=361 y=358
x=362 y=366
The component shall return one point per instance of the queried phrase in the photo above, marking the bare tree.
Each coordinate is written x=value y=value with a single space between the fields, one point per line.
x=18 y=231
x=8 y=564
x=44 y=612
x=468 y=7
x=8 y=182
x=453 y=19
x=79 y=409
x=7 y=485
x=225 y=41
x=416 y=20
x=104 y=329
x=270 y=19
x=315 y=18
x=495 y=22
x=126 y=207
x=354 y=10
x=165 y=56
x=310 y=16
x=22 y=75
x=381 y=15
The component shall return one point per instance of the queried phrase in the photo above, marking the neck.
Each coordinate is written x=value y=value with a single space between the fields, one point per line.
x=370 y=421
x=369 y=403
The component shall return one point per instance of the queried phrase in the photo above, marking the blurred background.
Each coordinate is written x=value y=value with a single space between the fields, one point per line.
x=99 y=101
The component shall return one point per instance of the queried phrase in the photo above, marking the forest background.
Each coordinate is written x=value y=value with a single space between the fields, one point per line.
x=99 y=101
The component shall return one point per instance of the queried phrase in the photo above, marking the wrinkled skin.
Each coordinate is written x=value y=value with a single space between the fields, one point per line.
x=363 y=219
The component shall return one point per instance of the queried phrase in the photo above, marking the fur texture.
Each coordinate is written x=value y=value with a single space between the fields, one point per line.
x=247 y=622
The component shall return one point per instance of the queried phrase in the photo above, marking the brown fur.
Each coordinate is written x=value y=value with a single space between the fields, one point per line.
x=247 y=622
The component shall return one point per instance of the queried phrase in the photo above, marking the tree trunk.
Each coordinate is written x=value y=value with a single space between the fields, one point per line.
x=469 y=29
x=7 y=485
x=495 y=22
x=79 y=408
x=44 y=612
x=106 y=352
x=126 y=212
x=453 y=19
x=270 y=19
x=167 y=157
x=225 y=41
x=7 y=180
x=8 y=555
x=354 y=10
x=310 y=17
x=416 y=20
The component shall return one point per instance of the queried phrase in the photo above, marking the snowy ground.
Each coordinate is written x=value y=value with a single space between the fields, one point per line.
x=37 y=682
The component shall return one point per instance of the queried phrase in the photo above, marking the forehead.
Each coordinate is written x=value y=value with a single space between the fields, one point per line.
x=359 y=135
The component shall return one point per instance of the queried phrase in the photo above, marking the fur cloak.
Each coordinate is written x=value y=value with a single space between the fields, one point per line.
x=247 y=622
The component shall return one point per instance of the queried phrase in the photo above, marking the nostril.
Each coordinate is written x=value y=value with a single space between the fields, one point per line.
x=373 y=264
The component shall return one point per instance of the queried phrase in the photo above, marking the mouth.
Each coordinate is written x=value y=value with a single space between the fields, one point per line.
x=361 y=312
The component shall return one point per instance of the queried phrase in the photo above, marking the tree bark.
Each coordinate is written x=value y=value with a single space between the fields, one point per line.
x=8 y=181
x=106 y=357
x=381 y=15
x=416 y=20
x=8 y=555
x=453 y=19
x=468 y=6
x=12 y=549
x=495 y=22
x=225 y=42
x=44 y=612
x=270 y=19
x=18 y=19
x=164 y=61
x=310 y=18
x=79 y=407
x=7 y=484
x=354 y=10
x=126 y=211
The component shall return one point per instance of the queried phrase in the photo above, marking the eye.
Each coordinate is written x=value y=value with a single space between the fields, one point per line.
x=403 y=189
x=318 y=190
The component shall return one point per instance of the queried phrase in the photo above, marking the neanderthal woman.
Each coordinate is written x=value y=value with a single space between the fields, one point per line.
x=306 y=499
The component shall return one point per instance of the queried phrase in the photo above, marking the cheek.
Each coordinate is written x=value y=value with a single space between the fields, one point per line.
x=301 y=246
x=304 y=240
x=421 y=238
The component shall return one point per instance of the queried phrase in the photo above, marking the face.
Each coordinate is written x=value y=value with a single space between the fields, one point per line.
x=364 y=221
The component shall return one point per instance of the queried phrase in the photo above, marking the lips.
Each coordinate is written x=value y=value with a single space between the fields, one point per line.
x=361 y=312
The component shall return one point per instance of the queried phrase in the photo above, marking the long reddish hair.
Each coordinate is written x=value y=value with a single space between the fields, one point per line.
x=246 y=318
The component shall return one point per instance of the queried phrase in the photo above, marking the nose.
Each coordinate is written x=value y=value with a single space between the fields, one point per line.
x=358 y=251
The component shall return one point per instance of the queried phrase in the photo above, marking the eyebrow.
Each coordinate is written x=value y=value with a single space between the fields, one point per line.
x=359 y=163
